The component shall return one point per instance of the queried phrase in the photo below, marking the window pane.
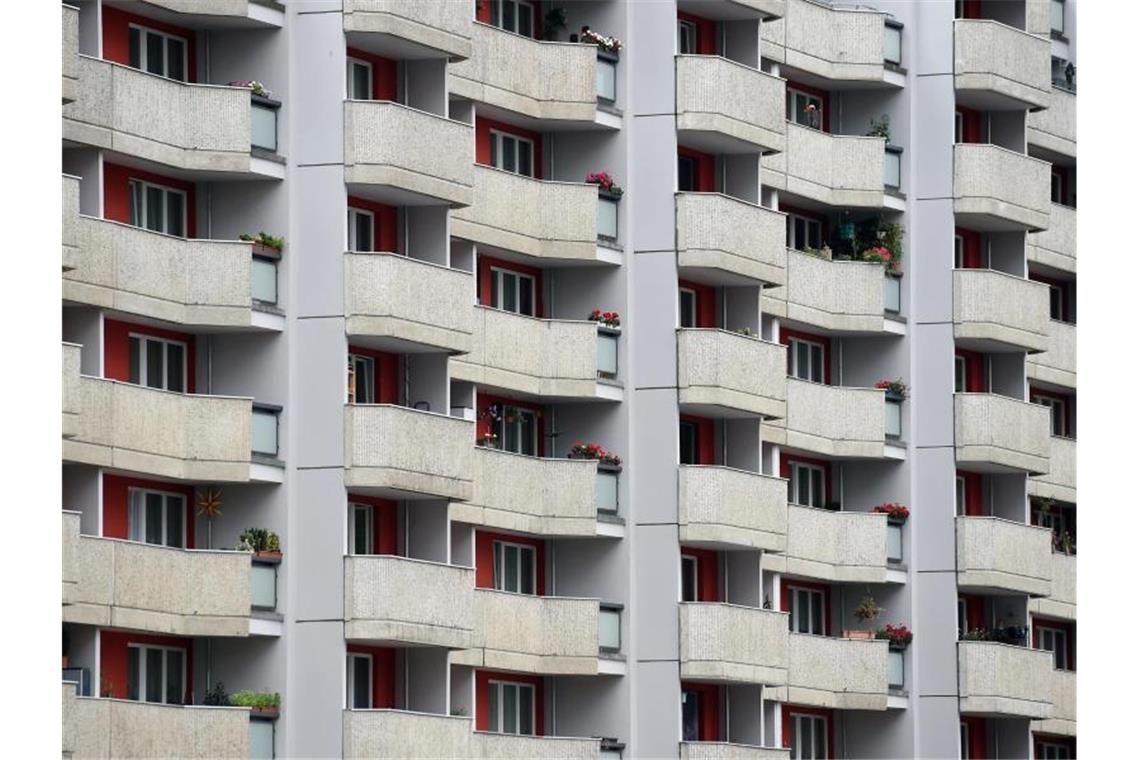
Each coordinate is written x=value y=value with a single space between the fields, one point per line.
x=525 y=158
x=174 y=521
x=817 y=489
x=686 y=174
x=803 y=360
x=496 y=149
x=174 y=692
x=497 y=563
x=135 y=508
x=688 y=308
x=154 y=209
x=132 y=673
x=816 y=612
x=803 y=486
x=154 y=56
x=136 y=351
x=154 y=369
x=817 y=364
x=820 y=739
x=361 y=87
x=362 y=531
x=510 y=709
x=136 y=48
x=529 y=427
x=153 y=674
x=174 y=367
x=136 y=202
x=511 y=568
x=510 y=292
x=494 y=696
x=361 y=683
x=526 y=296
x=814 y=234
x=174 y=220
x=688 y=443
x=526 y=710
x=175 y=55
x=510 y=150
x=364 y=231
x=690 y=716
x=525 y=23
x=154 y=511
x=526 y=572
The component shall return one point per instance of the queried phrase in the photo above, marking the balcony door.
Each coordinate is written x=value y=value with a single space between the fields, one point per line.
x=358 y=681
x=157 y=208
x=515 y=567
x=156 y=674
x=809 y=737
x=157 y=363
x=512 y=708
x=158 y=53
x=155 y=517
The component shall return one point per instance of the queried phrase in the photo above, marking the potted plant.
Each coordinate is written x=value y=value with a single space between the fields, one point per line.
x=747 y=332
x=264 y=244
x=896 y=389
x=216 y=696
x=610 y=319
x=261 y=704
x=605 y=183
x=896 y=513
x=881 y=128
x=866 y=613
x=257 y=88
x=594 y=451
x=264 y=544
x=610 y=46
x=1064 y=543
x=898 y=636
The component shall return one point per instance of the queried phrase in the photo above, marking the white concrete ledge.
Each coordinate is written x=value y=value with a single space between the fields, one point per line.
x=1003 y=68
x=841 y=674
x=1004 y=680
x=838 y=547
x=999 y=189
x=1063 y=695
x=1058 y=364
x=533 y=634
x=70 y=67
x=841 y=44
x=730 y=751
x=722 y=505
x=837 y=296
x=999 y=311
x=1055 y=128
x=730 y=241
x=837 y=170
x=1001 y=434
x=728 y=371
x=1062 y=600
x=1055 y=247
x=832 y=420
x=728 y=105
x=996 y=554
x=1060 y=482
x=728 y=643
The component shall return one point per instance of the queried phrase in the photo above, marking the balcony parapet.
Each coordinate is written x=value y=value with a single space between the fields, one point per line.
x=998 y=311
x=1062 y=600
x=70 y=68
x=733 y=507
x=443 y=27
x=836 y=296
x=833 y=421
x=731 y=751
x=999 y=432
x=1004 y=555
x=841 y=674
x=1055 y=247
x=1060 y=482
x=1004 y=680
x=836 y=170
x=1063 y=696
x=837 y=547
x=726 y=105
x=844 y=45
x=1058 y=364
x=999 y=67
x=730 y=240
x=726 y=371
x=729 y=643
x=999 y=189
x=1055 y=128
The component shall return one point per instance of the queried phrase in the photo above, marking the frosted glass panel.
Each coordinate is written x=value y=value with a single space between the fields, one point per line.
x=894 y=543
x=607 y=218
x=894 y=419
x=263 y=280
x=896 y=676
x=607 y=491
x=264 y=433
x=607 y=80
x=263 y=128
x=609 y=629
x=263 y=586
x=607 y=355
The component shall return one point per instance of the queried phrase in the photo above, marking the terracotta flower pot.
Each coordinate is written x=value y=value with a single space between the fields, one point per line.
x=859 y=635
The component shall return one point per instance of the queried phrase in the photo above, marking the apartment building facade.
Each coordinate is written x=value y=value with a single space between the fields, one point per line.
x=598 y=378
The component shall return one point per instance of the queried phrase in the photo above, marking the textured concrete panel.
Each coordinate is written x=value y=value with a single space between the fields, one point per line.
x=734 y=644
x=1000 y=554
x=835 y=43
x=1005 y=680
x=731 y=371
x=998 y=308
x=408 y=601
x=733 y=507
x=837 y=673
x=445 y=27
x=717 y=95
x=732 y=237
x=998 y=60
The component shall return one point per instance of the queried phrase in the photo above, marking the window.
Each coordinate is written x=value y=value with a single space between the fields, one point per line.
x=1057 y=188
x=963 y=618
x=361 y=379
x=959 y=496
x=157 y=363
x=686 y=37
x=959 y=374
x=358 y=79
x=1055 y=640
x=1053 y=751
x=807 y=611
x=361 y=230
x=1057 y=413
x=690 y=443
x=514 y=567
x=691 y=715
x=157 y=208
x=158 y=53
x=518 y=431
x=1056 y=302
x=687 y=171
x=689 y=570
x=156 y=674
x=806 y=484
x=809 y=737
x=512 y=153
x=805 y=360
x=959 y=129
x=514 y=16
x=156 y=517
x=512 y=708
x=513 y=292
x=959 y=252
x=1064 y=74
x=963 y=727
x=804 y=109
x=358 y=681
x=360 y=530
x=1057 y=16
x=804 y=233
x=688 y=307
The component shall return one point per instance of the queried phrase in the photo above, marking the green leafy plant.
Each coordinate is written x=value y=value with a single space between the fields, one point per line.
x=259 y=540
x=881 y=127
x=265 y=239
x=216 y=696
x=258 y=700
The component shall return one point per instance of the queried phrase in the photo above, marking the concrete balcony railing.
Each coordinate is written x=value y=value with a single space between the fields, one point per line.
x=70 y=68
x=160 y=433
x=997 y=311
x=833 y=420
x=730 y=240
x=1060 y=482
x=159 y=589
x=1004 y=680
x=394 y=735
x=554 y=81
x=235 y=14
x=999 y=189
x=69 y=542
x=838 y=296
x=1062 y=599
x=70 y=222
x=1057 y=246
x=732 y=373
x=729 y=106
x=1063 y=696
x=732 y=507
x=72 y=404
x=443 y=27
x=540 y=357
x=408 y=452
x=1055 y=128
x=1058 y=364
x=192 y=127
x=837 y=170
x=407 y=301
x=1002 y=555
x=197 y=283
x=837 y=547
x=731 y=751
x=552 y=221
x=421 y=157
x=545 y=497
x=548 y=635
x=408 y=602
x=125 y=728
x=842 y=674
x=999 y=67
x=1002 y=433
x=840 y=44
x=733 y=644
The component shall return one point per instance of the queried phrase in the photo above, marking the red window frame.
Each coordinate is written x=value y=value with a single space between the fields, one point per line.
x=385 y=226
x=485 y=558
x=787 y=711
x=786 y=587
x=975 y=370
x=706 y=298
x=971 y=124
x=977 y=732
x=708 y=572
x=1070 y=403
x=483 y=425
x=116 y=25
x=483 y=284
x=383 y=674
x=113 y=668
x=117 y=349
x=974 y=500
x=787 y=335
x=483 y=127
x=483 y=680
x=706 y=33
x=483 y=14
x=823 y=95
x=785 y=470
x=708 y=727
x=116 y=507
x=971 y=247
x=117 y=194
x=704 y=168
x=384 y=73
x=385 y=378
x=1066 y=626
x=705 y=429
x=385 y=523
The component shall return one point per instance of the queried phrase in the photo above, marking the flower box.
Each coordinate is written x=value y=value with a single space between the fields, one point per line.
x=267 y=557
x=265 y=713
x=859 y=635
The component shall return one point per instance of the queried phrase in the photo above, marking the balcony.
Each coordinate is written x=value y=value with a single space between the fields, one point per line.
x=722 y=373
x=832 y=546
x=725 y=507
x=726 y=241
x=1003 y=680
x=836 y=296
x=1060 y=482
x=196 y=128
x=200 y=284
x=548 y=358
x=995 y=311
x=224 y=14
x=551 y=82
x=394 y=735
x=1055 y=129
x=1062 y=600
x=407 y=305
x=126 y=728
x=842 y=45
x=1058 y=365
x=728 y=643
x=404 y=453
x=999 y=190
x=995 y=433
x=999 y=68
x=158 y=589
x=731 y=751
x=834 y=421
x=836 y=170
x=409 y=30
x=402 y=156
x=408 y=602
x=841 y=674
x=1063 y=696
x=1055 y=247
x=727 y=107
x=1004 y=556
x=70 y=68
x=544 y=497
x=555 y=222
x=548 y=635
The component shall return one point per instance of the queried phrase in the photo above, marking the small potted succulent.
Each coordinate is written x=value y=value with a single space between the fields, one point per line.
x=605 y=459
x=261 y=704
x=610 y=319
x=896 y=513
x=264 y=244
x=896 y=389
x=898 y=636
x=265 y=544
x=866 y=613
x=605 y=183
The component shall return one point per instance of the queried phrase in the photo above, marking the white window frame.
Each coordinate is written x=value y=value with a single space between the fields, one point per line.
x=350 y=64
x=959 y=126
x=143 y=186
x=1048 y=638
x=369 y=365
x=1054 y=751
x=497 y=151
x=350 y=679
x=1056 y=406
x=502 y=431
x=497 y=16
x=696 y=439
x=353 y=509
x=143 y=342
x=798 y=750
x=963 y=617
x=1056 y=302
x=139 y=652
x=791 y=103
x=686 y=29
x=499 y=558
x=808 y=225
x=959 y=495
x=498 y=277
x=808 y=500
x=497 y=689
x=964 y=733
x=353 y=215
x=794 y=360
x=681 y=293
x=959 y=252
x=796 y=613
x=136 y=519
x=166 y=37
x=690 y=565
